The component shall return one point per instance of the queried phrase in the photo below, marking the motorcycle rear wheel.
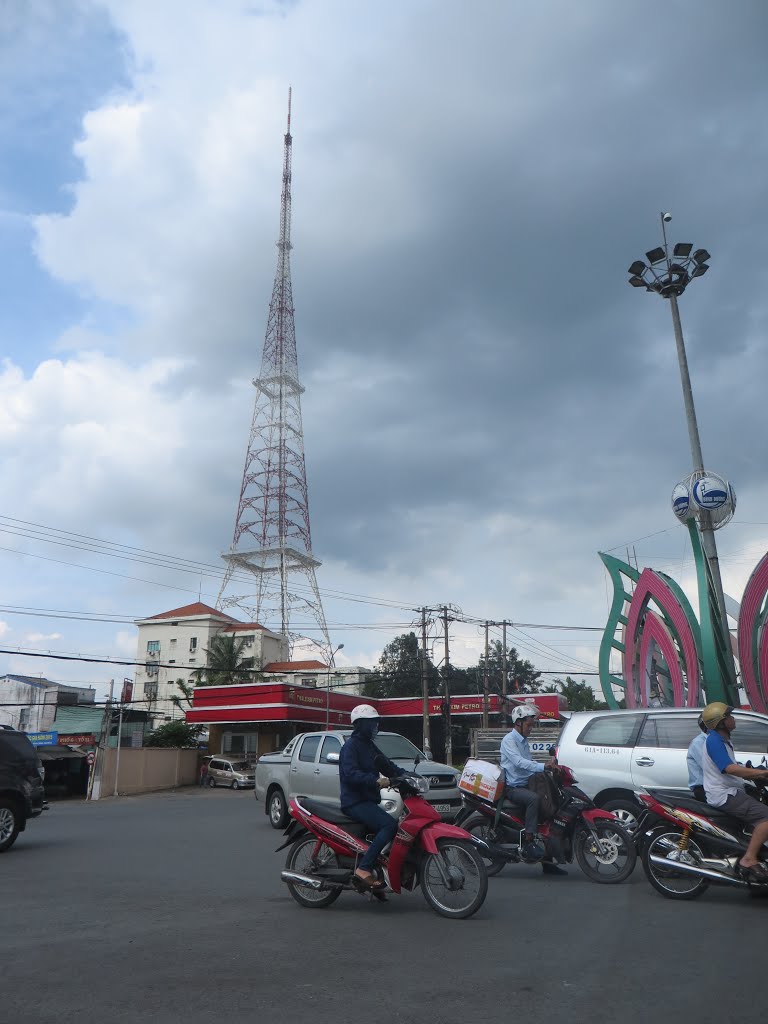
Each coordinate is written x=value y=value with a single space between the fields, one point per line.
x=468 y=879
x=673 y=885
x=613 y=861
x=298 y=859
x=478 y=826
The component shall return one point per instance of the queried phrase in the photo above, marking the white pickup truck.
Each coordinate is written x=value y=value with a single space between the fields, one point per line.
x=309 y=766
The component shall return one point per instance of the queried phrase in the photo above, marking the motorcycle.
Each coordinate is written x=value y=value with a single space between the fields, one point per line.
x=326 y=846
x=603 y=849
x=686 y=845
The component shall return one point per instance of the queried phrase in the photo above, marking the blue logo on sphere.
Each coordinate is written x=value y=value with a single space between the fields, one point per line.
x=708 y=494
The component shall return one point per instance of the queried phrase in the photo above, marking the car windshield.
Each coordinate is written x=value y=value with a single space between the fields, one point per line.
x=397 y=748
x=241 y=766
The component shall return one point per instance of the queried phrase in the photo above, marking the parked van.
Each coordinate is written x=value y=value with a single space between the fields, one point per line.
x=235 y=774
x=614 y=753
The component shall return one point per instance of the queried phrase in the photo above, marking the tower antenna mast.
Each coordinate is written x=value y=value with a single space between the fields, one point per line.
x=271 y=551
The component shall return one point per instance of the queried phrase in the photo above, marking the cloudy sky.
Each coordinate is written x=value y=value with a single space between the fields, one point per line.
x=487 y=403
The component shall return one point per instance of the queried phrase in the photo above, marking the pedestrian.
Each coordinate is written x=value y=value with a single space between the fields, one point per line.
x=204 y=773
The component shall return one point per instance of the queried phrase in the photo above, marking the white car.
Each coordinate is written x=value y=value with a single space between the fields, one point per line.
x=615 y=753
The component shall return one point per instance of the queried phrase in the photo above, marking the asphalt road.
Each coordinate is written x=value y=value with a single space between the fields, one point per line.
x=169 y=908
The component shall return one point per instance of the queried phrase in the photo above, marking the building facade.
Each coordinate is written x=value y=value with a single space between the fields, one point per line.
x=28 y=703
x=173 y=646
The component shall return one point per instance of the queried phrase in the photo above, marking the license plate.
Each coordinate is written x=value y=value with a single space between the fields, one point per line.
x=442 y=808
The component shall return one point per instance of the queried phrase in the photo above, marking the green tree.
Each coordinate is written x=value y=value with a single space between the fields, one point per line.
x=522 y=677
x=185 y=700
x=174 y=734
x=580 y=696
x=399 y=671
x=225 y=664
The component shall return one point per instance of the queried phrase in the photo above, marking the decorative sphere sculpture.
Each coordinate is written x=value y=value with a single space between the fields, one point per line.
x=704 y=493
x=681 y=502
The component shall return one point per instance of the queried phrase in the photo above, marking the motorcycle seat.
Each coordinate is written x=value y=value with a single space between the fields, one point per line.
x=332 y=813
x=689 y=803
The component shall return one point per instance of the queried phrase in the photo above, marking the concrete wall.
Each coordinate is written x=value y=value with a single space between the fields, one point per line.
x=148 y=769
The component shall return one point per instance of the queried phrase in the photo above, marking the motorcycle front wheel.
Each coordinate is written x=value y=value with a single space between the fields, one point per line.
x=608 y=859
x=667 y=879
x=299 y=859
x=479 y=826
x=454 y=880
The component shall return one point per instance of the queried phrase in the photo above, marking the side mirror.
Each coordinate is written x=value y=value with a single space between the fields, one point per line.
x=332 y=758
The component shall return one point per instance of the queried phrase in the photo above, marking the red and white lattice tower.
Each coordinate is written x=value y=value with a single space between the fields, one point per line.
x=272 y=542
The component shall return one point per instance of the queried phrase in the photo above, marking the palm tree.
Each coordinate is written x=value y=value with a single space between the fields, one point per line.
x=225 y=663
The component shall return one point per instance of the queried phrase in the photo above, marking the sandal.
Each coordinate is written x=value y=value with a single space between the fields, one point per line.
x=755 y=873
x=369 y=882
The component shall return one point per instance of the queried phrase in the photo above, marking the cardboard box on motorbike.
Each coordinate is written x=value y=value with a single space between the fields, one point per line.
x=482 y=778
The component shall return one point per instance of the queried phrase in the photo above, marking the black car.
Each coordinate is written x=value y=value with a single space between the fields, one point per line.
x=21 y=786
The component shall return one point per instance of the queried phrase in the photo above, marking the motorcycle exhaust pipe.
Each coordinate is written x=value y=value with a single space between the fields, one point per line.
x=309 y=881
x=678 y=865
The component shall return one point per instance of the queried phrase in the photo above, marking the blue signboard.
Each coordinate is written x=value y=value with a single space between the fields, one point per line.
x=44 y=739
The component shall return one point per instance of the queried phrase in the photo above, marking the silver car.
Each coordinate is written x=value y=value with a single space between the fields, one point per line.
x=235 y=774
x=615 y=753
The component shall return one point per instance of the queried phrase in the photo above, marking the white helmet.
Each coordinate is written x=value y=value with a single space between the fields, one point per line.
x=521 y=712
x=363 y=711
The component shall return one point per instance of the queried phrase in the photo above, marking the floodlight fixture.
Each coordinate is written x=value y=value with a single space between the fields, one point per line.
x=656 y=255
x=701 y=256
x=637 y=282
x=637 y=267
x=700 y=270
x=683 y=249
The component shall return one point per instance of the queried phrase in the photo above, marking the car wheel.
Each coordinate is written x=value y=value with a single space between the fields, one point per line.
x=235 y=784
x=627 y=811
x=10 y=824
x=212 y=783
x=278 y=812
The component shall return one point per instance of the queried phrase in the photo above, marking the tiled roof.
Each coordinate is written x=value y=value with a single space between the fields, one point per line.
x=189 y=610
x=294 y=666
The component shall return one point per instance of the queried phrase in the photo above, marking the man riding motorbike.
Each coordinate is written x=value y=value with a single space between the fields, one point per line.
x=361 y=767
x=724 y=786
x=518 y=767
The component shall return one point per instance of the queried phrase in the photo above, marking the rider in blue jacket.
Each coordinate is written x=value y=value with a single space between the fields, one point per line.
x=361 y=778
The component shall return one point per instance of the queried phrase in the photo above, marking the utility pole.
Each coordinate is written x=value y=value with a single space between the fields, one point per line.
x=503 y=660
x=97 y=768
x=485 y=681
x=425 y=685
x=446 y=668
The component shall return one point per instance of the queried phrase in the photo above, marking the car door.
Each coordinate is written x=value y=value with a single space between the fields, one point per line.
x=327 y=771
x=750 y=739
x=658 y=759
x=602 y=756
x=302 y=774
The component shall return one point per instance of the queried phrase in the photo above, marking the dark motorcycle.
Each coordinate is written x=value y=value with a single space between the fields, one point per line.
x=686 y=845
x=603 y=849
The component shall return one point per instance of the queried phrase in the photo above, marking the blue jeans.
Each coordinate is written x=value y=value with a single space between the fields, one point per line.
x=377 y=819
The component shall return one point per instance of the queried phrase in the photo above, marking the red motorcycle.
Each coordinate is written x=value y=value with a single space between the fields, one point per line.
x=326 y=846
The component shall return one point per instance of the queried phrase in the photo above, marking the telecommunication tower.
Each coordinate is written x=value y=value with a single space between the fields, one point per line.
x=272 y=541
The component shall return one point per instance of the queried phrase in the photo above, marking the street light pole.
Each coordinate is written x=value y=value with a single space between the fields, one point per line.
x=669 y=277
x=331 y=664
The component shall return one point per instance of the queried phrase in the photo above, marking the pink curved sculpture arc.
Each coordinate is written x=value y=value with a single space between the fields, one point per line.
x=754 y=677
x=650 y=585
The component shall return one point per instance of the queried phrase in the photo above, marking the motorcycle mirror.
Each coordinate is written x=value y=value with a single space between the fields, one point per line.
x=417 y=761
x=551 y=750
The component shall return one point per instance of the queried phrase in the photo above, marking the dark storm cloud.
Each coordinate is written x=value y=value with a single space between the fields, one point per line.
x=505 y=303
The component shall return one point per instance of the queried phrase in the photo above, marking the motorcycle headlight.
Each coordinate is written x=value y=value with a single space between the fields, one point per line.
x=388 y=805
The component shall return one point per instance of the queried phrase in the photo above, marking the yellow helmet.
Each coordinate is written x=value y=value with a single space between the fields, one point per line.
x=714 y=713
